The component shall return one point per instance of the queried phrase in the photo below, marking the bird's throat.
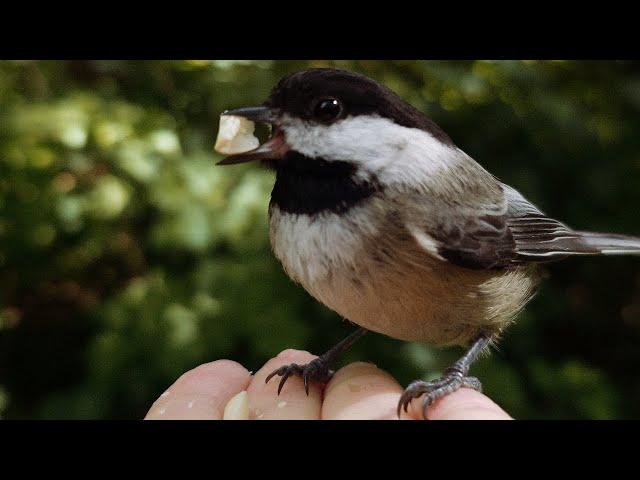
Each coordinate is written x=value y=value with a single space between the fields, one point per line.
x=311 y=185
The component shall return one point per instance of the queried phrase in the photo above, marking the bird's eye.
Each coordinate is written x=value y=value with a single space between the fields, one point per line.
x=327 y=109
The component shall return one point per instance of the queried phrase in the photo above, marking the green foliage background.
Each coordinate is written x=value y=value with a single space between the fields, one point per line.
x=127 y=257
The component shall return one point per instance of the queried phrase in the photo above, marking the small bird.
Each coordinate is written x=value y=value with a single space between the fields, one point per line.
x=382 y=218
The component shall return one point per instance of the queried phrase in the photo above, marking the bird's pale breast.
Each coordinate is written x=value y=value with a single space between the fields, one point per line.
x=371 y=271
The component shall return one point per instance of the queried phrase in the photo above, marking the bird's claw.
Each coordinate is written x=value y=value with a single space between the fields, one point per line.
x=452 y=380
x=316 y=370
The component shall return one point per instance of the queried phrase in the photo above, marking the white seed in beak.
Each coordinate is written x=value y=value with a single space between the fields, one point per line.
x=235 y=135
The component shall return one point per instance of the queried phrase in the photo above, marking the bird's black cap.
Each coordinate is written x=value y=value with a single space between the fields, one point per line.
x=298 y=93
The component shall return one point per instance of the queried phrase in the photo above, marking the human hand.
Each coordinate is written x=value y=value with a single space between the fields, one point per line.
x=359 y=391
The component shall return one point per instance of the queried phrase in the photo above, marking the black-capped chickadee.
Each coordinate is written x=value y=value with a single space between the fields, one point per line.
x=379 y=216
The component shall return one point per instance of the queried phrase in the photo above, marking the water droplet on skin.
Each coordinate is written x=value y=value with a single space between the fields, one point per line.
x=161 y=411
x=282 y=404
x=165 y=394
x=190 y=405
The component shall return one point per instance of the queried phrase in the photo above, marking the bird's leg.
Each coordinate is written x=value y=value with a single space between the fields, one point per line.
x=319 y=368
x=454 y=378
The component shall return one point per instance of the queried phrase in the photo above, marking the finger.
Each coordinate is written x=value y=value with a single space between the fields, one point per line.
x=293 y=402
x=361 y=391
x=201 y=393
x=463 y=404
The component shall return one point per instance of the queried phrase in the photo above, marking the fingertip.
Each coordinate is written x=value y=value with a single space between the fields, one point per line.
x=202 y=376
x=352 y=371
x=201 y=393
x=361 y=391
x=463 y=404
x=284 y=400
x=292 y=355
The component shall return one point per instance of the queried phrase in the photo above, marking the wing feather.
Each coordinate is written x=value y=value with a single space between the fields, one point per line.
x=482 y=223
x=522 y=233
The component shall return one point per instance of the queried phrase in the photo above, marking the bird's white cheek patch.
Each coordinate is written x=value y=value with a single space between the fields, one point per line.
x=235 y=135
x=395 y=154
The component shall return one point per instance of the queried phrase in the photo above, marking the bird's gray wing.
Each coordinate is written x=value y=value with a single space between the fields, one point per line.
x=478 y=242
x=465 y=220
x=507 y=231
x=539 y=238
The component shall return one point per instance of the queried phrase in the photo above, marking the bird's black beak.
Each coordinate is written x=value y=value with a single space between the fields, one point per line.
x=273 y=149
x=255 y=114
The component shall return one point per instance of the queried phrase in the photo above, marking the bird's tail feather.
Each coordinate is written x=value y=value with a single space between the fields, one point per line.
x=610 y=244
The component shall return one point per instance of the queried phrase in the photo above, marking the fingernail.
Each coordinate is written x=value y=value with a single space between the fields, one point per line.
x=237 y=408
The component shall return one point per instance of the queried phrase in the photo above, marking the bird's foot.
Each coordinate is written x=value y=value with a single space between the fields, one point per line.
x=453 y=379
x=316 y=370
